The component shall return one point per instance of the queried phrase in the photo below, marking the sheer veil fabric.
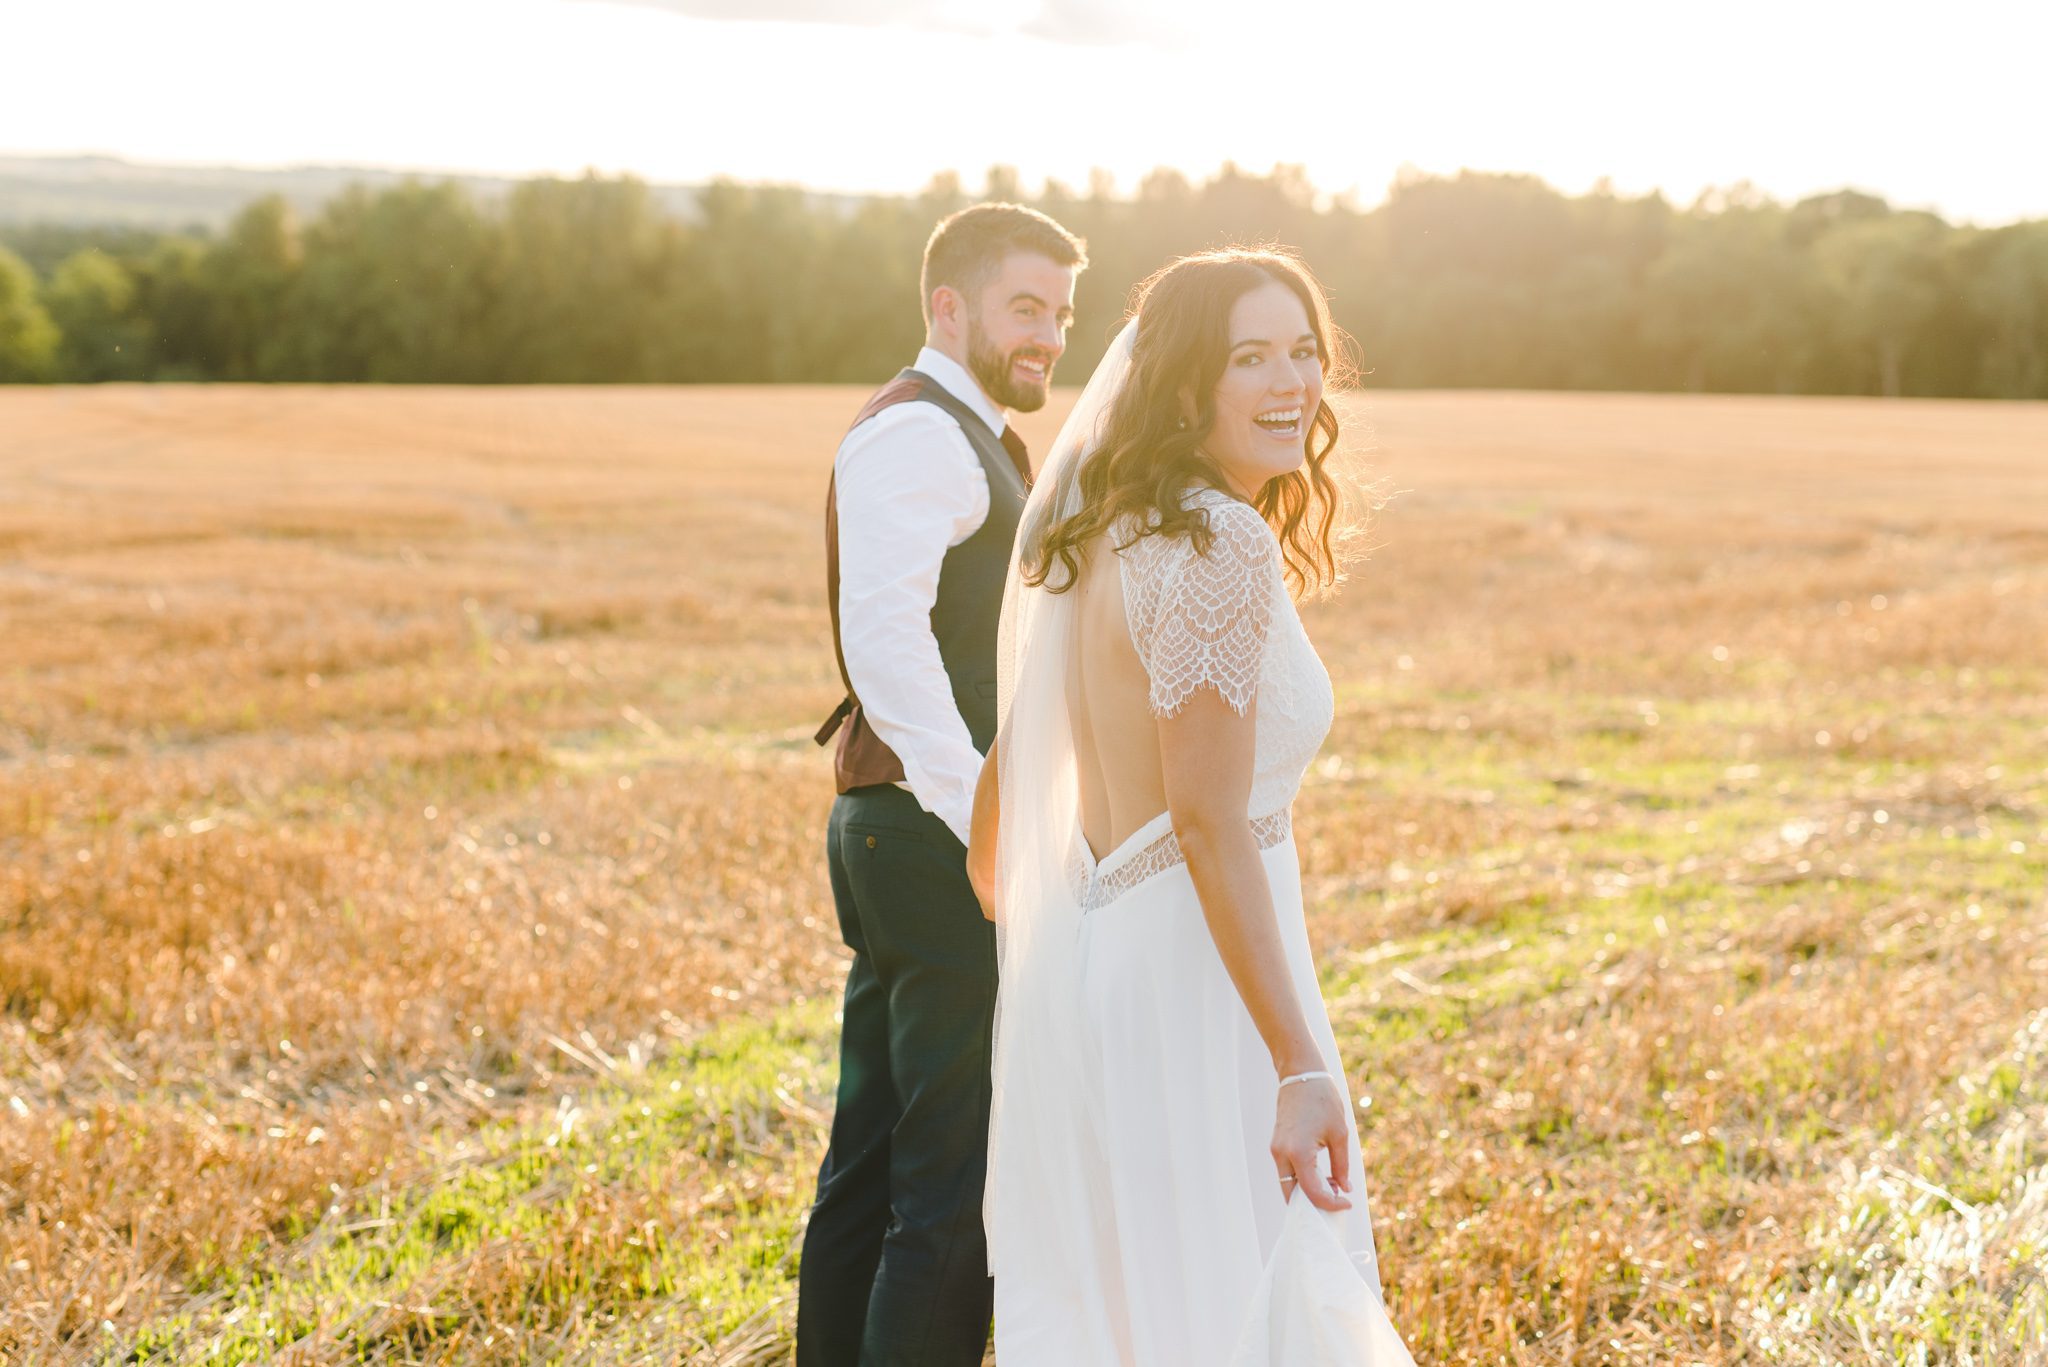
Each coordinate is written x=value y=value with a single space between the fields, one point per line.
x=1051 y=1201
x=1035 y=1208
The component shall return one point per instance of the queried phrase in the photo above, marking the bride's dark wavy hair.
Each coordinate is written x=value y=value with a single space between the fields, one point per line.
x=1147 y=459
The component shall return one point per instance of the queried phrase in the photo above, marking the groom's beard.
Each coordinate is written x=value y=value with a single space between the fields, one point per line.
x=996 y=372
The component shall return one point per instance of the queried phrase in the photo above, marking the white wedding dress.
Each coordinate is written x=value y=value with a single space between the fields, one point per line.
x=1135 y=1217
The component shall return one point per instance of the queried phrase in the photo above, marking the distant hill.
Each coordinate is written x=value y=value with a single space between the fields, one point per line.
x=112 y=192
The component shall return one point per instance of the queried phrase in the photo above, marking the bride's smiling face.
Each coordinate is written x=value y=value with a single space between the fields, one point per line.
x=1271 y=386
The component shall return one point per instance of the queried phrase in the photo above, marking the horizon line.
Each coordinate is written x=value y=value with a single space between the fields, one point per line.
x=1323 y=197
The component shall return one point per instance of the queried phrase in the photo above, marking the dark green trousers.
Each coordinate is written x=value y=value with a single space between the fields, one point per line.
x=895 y=1263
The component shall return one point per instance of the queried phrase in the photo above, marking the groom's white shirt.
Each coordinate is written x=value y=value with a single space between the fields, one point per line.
x=909 y=489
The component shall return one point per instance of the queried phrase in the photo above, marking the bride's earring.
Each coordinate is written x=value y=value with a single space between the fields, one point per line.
x=1182 y=424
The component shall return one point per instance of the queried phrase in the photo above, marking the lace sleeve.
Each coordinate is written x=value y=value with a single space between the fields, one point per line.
x=1201 y=620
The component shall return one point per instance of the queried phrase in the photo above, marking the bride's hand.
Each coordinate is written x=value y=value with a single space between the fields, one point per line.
x=981 y=835
x=981 y=874
x=1310 y=1117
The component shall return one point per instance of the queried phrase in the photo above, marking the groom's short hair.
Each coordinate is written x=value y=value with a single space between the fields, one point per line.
x=968 y=247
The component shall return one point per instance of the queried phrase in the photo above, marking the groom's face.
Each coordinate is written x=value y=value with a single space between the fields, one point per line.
x=1017 y=329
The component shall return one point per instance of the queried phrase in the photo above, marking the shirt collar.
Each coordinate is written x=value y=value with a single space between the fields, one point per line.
x=961 y=386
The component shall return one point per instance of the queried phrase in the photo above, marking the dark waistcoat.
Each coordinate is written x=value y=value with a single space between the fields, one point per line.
x=970 y=595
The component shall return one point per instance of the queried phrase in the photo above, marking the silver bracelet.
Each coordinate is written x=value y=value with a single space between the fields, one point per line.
x=1304 y=1077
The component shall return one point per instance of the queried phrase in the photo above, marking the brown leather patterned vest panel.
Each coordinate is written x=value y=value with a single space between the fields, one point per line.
x=861 y=758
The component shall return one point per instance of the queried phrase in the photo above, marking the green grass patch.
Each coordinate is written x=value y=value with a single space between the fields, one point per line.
x=683 y=1183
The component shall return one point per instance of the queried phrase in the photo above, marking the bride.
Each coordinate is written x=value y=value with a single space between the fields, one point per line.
x=1173 y=1162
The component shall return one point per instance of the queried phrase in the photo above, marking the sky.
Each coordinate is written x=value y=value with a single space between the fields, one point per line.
x=1933 y=106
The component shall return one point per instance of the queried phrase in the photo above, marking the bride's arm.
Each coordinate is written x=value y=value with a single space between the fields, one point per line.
x=981 y=841
x=1199 y=617
x=1206 y=755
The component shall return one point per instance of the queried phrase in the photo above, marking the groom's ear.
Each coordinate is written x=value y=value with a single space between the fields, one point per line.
x=946 y=305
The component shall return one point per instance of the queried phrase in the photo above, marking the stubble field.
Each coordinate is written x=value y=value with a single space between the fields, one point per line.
x=415 y=947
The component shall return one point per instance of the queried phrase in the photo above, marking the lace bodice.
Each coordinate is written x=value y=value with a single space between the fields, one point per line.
x=1225 y=620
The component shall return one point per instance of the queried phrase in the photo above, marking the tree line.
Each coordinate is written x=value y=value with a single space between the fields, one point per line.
x=1475 y=280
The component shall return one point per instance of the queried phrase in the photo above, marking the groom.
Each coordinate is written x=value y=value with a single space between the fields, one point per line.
x=926 y=492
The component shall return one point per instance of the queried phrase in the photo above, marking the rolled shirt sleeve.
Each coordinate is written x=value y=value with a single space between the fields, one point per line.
x=909 y=488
